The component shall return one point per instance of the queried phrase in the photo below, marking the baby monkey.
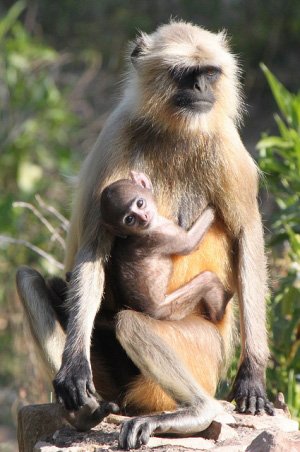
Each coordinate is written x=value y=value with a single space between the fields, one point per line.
x=141 y=263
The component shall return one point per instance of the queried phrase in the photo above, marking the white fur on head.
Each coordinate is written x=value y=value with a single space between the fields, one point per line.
x=179 y=45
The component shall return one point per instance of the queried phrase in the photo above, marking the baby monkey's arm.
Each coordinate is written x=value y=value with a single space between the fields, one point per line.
x=179 y=241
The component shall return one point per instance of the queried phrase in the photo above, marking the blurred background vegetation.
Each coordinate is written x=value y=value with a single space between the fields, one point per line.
x=59 y=67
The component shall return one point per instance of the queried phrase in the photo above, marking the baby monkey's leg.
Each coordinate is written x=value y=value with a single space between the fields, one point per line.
x=205 y=292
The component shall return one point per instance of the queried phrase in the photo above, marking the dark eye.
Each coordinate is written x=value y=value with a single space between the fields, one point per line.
x=212 y=72
x=129 y=220
x=140 y=203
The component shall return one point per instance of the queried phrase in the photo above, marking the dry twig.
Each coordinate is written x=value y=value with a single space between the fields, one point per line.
x=9 y=240
x=54 y=212
x=55 y=235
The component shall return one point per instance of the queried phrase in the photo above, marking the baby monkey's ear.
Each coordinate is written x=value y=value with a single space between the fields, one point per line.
x=141 y=179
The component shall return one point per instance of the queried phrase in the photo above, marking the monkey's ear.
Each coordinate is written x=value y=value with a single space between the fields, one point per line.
x=141 y=179
x=141 y=44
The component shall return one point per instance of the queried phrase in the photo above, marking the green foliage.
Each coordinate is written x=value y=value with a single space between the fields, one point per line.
x=35 y=120
x=279 y=158
x=36 y=123
x=35 y=157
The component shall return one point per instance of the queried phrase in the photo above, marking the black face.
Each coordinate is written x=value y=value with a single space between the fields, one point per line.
x=195 y=88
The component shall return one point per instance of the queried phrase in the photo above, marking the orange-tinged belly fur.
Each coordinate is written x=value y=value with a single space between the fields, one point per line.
x=213 y=254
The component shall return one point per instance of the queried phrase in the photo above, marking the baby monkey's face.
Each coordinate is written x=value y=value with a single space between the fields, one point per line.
x=128 y=206
x=138 y=212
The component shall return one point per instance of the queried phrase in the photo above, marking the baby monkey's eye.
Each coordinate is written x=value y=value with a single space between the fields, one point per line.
x=129 y=220
x=140 y=203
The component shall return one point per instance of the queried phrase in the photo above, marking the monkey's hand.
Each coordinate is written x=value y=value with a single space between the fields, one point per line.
x=249 y=391
x=189 y=420
x=73 y=383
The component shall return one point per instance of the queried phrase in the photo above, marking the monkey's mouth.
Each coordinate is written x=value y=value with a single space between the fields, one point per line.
x=202 y=106
x=145 y=223
x=190 y=102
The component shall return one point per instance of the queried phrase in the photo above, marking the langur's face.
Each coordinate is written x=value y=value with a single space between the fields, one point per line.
x=184 y=76
x=195 y=88
x=127 y=208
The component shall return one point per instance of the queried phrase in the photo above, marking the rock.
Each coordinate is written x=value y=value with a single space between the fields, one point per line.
x=219 y=432
x=42 y=429
x=227 y=417
x=280 y=403
x=41 y=446
x=275 y=442
x=35 y=421
x=278 y=422
x=191 y=443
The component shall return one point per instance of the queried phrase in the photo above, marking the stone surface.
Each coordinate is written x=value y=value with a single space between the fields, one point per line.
x=192 y=443
x=42 y=429
x=280 y=403
x=278 y=422
x=35 y=421
x=219 y=432
x=275 y=442
x=45 y=447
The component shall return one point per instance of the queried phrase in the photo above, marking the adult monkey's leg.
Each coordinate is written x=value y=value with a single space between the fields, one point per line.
x=40 y=300
x=144 y=342
x=45 y=328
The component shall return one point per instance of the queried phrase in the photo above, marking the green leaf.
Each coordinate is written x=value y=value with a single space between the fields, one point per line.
x=8 y=21
x=270 y=142
x=281 y=94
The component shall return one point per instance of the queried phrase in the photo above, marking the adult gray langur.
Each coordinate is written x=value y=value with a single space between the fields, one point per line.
x=177 y=122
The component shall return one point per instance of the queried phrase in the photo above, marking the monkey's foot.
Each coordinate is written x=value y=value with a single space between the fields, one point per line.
x=249 y=391
x=90 y=414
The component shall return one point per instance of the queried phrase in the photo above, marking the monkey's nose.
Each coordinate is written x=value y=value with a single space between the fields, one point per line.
x=144 y=217
x=199 y=84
